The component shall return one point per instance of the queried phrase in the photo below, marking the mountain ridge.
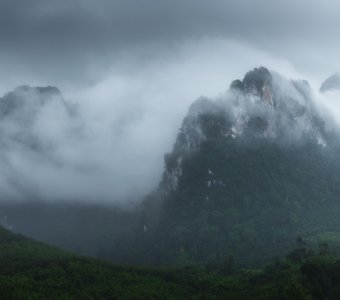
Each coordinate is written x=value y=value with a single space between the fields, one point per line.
x=252 y=108
x=249 y=170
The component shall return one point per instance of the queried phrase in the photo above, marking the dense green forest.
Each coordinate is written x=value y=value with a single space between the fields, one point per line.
x=233 y=197
x=32 y=270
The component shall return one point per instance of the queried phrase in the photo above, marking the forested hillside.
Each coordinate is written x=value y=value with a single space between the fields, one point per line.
x=31 y=270
x=250 y=172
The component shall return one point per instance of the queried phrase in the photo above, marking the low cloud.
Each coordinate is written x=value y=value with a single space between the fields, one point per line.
x=112 y=148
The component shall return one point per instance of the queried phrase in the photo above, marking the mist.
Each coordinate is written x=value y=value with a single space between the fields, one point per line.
x=130 y=71
x=112 y=149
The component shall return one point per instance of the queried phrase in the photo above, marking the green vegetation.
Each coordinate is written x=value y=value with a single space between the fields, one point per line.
x=246 y=179
x=31 y=270
x=237 y=195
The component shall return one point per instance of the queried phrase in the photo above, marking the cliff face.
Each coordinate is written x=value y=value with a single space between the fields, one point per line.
x=250 y=171
x=262 y=107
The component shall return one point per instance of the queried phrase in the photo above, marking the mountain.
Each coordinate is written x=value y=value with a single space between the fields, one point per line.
x=24 y=102
x=250 y=172
x=331 y=83
x=36 y=125
x=23 y=113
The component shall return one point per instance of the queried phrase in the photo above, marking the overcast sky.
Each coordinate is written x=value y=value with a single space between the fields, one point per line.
x=136 y=65
x=81 y=41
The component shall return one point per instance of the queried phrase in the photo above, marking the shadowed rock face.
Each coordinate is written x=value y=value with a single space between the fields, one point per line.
x=331 y=83
x=257 y=82
x=262 y=105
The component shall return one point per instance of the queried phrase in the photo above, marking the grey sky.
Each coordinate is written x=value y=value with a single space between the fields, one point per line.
x=77 y=39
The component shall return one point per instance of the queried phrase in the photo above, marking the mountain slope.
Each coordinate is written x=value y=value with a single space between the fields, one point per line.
x=249 y=173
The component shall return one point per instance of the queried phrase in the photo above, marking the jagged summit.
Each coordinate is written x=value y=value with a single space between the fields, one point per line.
x=257 y=82
x=262 y=105
x=331 y=83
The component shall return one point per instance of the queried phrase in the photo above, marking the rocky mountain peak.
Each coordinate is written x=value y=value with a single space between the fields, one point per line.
x=261 y=158
x=258 y=83
x=263 y=107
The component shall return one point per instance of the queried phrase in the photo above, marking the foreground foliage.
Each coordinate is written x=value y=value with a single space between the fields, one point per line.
x=31 y=270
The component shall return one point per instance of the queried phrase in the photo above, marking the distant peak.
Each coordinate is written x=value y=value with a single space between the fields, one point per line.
x=47 y=90
x=27 y=96
x=331 y=83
